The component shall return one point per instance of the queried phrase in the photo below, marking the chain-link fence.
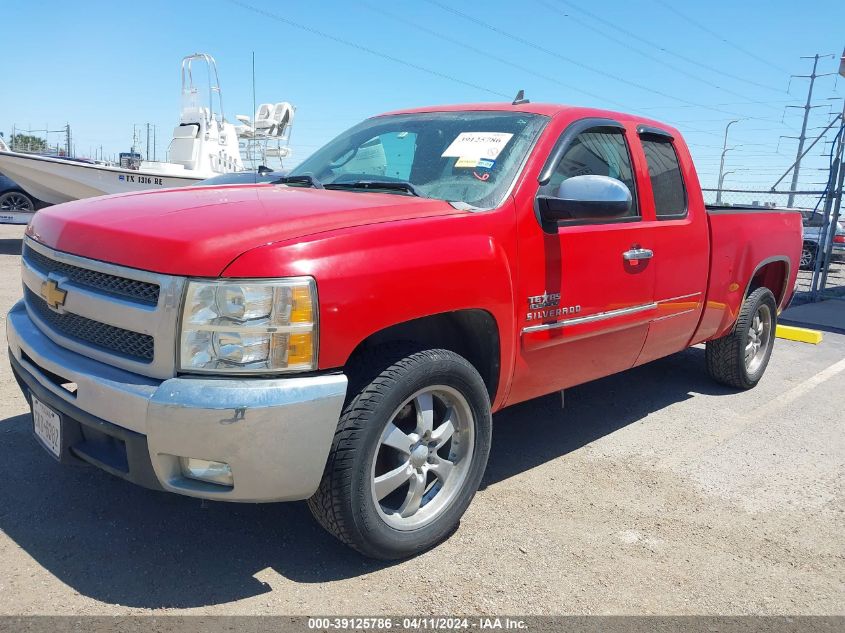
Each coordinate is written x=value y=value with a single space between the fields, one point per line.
x=822 y=270
x=750 y=198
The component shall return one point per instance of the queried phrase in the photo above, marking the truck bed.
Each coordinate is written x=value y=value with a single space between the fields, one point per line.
x=738 y=253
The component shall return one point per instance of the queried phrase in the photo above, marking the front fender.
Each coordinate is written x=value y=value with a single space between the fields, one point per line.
x=372 y=277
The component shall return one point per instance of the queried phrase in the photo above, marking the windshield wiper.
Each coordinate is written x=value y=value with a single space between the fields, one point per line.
x=304 y=179
x=389 y=185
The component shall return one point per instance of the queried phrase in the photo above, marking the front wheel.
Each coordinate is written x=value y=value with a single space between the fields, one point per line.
x=740 y=358
x=408 y=455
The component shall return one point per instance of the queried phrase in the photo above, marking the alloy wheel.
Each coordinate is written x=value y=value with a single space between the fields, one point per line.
x=14 y=201
x=759 y=335
x=423 y=457
x=806 y=257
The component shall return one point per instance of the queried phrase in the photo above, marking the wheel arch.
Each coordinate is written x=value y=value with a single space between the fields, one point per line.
x=774 y=274
x=472 y=333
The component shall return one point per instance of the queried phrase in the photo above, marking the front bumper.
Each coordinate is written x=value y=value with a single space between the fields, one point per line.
x=275 y=434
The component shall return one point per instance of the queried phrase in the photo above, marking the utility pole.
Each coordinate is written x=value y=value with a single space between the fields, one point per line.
x=807 y=151
x=830 y=228
x=722 y=162
x=722 y=181
x=67 y=140
x=807 y=107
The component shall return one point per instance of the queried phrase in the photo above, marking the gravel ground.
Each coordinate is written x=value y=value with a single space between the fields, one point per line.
x=653 y=492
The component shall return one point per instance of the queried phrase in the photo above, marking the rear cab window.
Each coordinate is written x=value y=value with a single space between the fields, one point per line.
x=664 y=172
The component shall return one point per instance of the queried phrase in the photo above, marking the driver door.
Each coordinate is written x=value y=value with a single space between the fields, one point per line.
x=585 y=298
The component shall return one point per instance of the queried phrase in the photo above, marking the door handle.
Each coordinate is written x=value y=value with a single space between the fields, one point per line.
x=636 y=254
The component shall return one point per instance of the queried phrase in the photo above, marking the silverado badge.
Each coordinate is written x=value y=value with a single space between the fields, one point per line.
x=547 y=306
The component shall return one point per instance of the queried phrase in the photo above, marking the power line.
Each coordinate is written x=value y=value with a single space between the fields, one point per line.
x=366 y=49
x=719 y=120
x=653 y=58
x=807 y=108
x=569 y=60
x=779 y=158
x=542 y=49
x=697 y=105
x=720 y=37
x=639 y=38
x=486 y=54
x=397 y=60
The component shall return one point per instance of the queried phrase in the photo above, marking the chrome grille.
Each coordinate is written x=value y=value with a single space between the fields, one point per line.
x=125 y=317
x=132 y=289
x=139 y=347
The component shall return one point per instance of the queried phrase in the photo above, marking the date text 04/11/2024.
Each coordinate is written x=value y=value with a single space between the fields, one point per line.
x=429 y=623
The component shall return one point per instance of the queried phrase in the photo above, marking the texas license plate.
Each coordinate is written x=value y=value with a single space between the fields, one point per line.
x=48 y=426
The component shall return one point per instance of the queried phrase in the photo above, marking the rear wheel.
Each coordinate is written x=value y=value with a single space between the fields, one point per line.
x=408 y=455
x=739 y=359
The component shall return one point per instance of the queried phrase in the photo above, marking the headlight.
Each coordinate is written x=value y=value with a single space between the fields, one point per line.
x=249 y=326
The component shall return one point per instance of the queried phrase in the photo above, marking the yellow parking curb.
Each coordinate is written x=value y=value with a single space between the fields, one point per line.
x=800 y=334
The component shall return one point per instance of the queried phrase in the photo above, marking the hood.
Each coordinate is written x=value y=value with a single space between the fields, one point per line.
x=198 y=231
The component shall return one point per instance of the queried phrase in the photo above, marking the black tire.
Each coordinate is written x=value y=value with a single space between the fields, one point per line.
x=809 y=252
x=725 y=356
x=344 y=503
x=16 y=201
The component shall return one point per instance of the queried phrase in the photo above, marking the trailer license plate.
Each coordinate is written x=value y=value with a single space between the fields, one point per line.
x=48 y=426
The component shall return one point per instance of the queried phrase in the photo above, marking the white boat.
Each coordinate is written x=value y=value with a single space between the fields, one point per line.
x=204 y=144
x=55 y=180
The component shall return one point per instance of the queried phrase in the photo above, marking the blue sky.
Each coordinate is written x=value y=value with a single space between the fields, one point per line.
x=104 y=66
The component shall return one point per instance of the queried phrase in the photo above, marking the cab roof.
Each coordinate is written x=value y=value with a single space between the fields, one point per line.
x=546 y=109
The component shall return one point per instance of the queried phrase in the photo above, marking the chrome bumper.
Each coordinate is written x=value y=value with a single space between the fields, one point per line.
x=275 y=434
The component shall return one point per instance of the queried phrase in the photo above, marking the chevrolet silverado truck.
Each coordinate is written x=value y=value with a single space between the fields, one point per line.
x=343 y=335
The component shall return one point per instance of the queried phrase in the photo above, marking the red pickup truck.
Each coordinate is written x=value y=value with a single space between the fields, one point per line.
x=344 y=335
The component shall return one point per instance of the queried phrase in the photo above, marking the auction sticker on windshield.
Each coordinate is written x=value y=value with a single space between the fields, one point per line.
x=47 y=425
x=477 y=145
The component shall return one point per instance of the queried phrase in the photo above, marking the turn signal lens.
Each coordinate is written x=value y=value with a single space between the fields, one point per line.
x=301 y=350
x=301 y=306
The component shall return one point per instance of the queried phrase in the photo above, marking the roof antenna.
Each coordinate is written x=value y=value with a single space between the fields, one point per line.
x=520 y=98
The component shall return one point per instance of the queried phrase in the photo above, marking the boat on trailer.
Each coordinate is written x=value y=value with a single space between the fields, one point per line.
x=204 y=144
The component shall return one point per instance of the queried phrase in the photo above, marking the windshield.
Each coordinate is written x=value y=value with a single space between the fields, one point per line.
x=461 y=157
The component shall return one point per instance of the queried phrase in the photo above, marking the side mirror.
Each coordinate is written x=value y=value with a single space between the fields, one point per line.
x=586 y=198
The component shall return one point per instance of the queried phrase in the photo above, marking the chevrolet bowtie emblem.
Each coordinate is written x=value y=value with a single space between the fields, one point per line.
x=53 y=295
